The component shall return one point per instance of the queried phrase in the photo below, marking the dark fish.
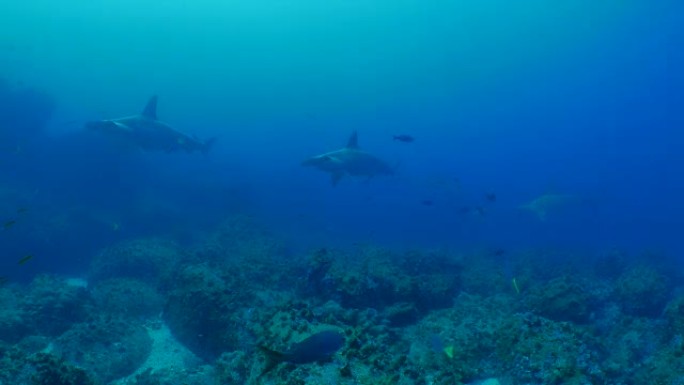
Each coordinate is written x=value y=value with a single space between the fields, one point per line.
x=498 y=252
x=490 y=197
x=9 y=224
x=25 y=259
x=464 y=210
x=22 y=210
x=427 y=202
x=3 y=281
x=404 y=138
x=315 y=348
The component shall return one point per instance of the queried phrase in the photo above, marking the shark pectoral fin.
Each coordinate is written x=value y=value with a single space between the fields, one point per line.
x=353 y=140
x=335 y=178
x=150 y=110
x=541 y=215
x=120 y=125
x=207 y=145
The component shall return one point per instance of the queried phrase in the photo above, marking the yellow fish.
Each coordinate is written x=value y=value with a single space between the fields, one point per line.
x=449 y=351
x=515 y=286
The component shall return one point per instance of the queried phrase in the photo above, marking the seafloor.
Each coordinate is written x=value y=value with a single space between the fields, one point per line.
x=152 y=312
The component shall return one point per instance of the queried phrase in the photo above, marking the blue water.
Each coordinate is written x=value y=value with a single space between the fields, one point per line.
x=519 y=99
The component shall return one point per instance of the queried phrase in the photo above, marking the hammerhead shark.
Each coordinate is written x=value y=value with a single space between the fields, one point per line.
x=544 y=204
x=148 y=133
x=349 y=160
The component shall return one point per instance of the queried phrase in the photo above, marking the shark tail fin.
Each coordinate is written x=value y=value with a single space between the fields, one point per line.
x=150 y=110
x=208 y=144
x=353 y=140
x=273 y=358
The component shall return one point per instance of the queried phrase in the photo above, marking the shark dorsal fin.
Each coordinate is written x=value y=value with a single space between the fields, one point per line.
x=353 y=141
x=150 y=110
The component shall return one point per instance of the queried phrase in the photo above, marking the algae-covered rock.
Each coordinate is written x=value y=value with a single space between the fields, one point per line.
x=53 y=304
x=52 y=370
x=642 y=290
x=147 y=259
x=12 y=324
x=203 y=310
x=564 y=298
x=537 y=350
x=110 y=348
x=377 y=278
x=234 y=368
x=19 y=367
x=125 y=297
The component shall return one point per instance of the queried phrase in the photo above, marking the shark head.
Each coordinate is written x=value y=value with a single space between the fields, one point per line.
x=324 y=162
x=98 y=125
x=106 y=126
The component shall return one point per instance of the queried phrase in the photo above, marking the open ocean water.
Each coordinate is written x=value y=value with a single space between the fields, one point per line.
x=305 y=192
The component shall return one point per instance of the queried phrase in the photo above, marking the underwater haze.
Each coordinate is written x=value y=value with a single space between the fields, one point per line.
x=490 y=128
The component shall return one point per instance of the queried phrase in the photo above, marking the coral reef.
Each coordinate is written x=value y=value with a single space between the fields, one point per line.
x=409 y=318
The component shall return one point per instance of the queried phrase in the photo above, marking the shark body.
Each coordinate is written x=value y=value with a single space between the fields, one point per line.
x=349 y=160
x=544 y=204
x=147 y=132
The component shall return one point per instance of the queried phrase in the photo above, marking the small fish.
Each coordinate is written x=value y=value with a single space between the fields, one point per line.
x=479 y=210
x=427 y=202
x=464 y=210
x=9 y=224
x=22 y=210
x=404 y=138
x=490 y=197
x=498 y=252
x=25 y=259
x=449 y=351
x=3 y=281
x=515 y=285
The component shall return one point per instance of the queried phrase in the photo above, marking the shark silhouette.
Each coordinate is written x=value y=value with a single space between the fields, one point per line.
x=349 y=160
x=547 y=203
x=148 y=133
